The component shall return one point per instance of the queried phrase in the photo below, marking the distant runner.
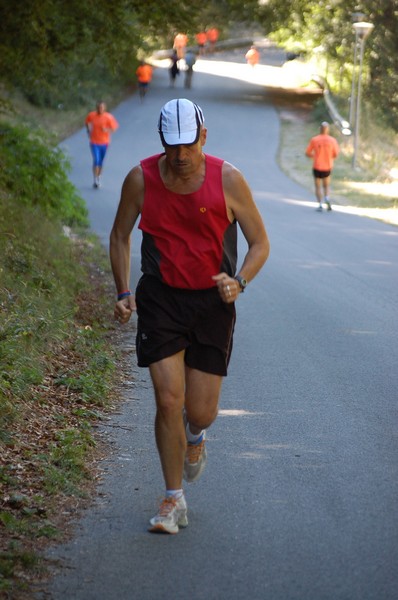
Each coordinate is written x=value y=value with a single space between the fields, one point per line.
x=180 y=43
x=99 y=124
x=212 y=37
x=323 y=149
x=252 y=56
x=144 y=74
x=190 y=60
x=201 y=39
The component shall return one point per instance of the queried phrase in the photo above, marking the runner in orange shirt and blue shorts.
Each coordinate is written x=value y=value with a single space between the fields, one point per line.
x=99 y=124
x=323 y=149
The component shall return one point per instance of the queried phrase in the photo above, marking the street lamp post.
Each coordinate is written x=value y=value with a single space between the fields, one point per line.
x=362 y=30
x=352 y=97
x=356 y=18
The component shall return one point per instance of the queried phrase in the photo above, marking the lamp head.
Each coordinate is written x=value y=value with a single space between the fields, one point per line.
x=362 y=29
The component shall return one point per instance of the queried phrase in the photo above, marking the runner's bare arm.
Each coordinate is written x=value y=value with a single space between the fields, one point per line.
x=309 y=151
x=130 y=206
x=241 y=206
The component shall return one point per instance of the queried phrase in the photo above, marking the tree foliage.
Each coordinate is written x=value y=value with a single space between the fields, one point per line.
x=58 y=52
x=328 y=23
x=54 y=50
x=383 y=55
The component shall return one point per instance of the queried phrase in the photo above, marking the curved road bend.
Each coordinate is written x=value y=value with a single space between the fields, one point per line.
x=299 y=498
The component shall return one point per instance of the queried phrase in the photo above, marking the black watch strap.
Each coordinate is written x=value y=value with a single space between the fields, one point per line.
x=242 y=282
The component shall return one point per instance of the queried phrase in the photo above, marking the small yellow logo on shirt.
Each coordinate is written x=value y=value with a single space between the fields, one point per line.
x=202 y=209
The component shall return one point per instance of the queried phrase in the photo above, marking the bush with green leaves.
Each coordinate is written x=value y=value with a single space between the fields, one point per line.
x=35 y=172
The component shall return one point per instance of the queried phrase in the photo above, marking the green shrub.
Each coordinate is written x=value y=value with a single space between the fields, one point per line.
x=35 y=173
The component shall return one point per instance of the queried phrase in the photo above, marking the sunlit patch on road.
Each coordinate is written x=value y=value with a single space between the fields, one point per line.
x=236 y=412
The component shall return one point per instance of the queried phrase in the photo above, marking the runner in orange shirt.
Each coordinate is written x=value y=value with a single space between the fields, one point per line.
x=212 y=37
x=201 y=38
x=323 y=149
x=252 y=56
x=180 y=43
x=99 y=124
x=144 y=75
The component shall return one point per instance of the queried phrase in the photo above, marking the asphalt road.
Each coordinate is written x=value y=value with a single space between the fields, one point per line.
x=299 y=497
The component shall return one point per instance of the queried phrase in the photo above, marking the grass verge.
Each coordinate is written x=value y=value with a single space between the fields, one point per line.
x=58 y=355
x=61 y=380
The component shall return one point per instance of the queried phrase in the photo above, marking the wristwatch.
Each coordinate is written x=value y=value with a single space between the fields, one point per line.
x=242 y=282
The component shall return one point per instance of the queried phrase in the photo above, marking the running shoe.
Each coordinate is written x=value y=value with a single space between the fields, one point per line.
x=319 y=209
x=172 y=515
x=195 y=460
x=329 y=206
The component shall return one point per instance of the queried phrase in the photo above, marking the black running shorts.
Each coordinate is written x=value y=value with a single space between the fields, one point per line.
x=320 y=174
x=171 y=320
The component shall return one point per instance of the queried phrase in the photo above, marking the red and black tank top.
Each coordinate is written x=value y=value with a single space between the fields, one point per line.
x=187 y=238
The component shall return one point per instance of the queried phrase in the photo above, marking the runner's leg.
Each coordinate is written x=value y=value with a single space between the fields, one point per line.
x=168 y=377
x=318 y=189
x=326 y=186
x=201 y=398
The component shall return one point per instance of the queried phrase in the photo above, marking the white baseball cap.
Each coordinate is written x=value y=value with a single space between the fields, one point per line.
x=180 y=122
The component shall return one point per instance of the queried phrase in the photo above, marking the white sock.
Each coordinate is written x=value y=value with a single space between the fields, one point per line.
x=177 y=494
x=193 y=438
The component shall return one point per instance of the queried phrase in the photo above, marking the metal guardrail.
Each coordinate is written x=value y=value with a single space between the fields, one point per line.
x=338 y=120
